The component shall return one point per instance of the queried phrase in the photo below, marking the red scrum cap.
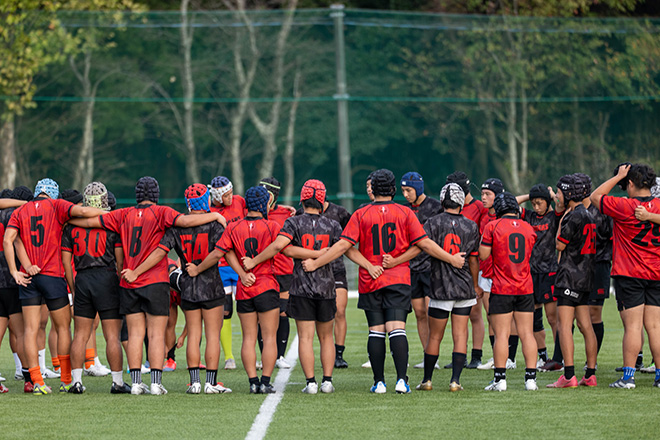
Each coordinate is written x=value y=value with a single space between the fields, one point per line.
x=313 y=189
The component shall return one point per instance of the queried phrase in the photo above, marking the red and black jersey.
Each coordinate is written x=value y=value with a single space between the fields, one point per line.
x=6 y=280
x=91 y=247
x=424 y=211
x=193 y=245
x=577 y=260
x=383 y=228
x=636 y=244
x=604 y=230
x=312 y=231
x=248 y=238
x=544 y=254
x=511 y=241
x=486 y=266
x=39 y=224
x=454 y=233
x=234 y=212
x=283 y=264
x=141 y=228
x=341 y=215
x=474 y=211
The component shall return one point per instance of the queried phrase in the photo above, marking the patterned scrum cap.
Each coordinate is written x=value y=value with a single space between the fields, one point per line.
x=147 y=189
x=313 y=189
x=197 y=197
x=220 y=186
x=47 y=186
x=256 y=199
x=655 y=189
x=95 y=195
x=453 y=192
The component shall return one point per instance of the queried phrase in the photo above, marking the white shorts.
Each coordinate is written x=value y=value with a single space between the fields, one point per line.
x=230 y=290
x=485 y=283
x=451 y=305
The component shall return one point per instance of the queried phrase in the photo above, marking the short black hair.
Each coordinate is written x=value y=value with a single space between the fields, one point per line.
x=642 y=175
x=447 y=203
x=312 y=203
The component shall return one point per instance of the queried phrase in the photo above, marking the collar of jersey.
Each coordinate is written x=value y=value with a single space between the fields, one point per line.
x=384 y=202
x=644 y=199
x=253 y=218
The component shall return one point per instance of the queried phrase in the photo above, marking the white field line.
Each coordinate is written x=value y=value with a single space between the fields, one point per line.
x=268 y=408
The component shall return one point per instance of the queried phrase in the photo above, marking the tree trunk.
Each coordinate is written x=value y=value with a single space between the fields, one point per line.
x=512 y=143
x=192 y=170
x=289 y=176
x=235 y=136
x=85 y=167
x=8 y=152
x=577 y=138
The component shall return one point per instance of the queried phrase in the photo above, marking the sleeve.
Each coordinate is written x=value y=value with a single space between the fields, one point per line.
x=67 y=242
x=168 y=216
x=243 y=206
x=336 y=233
x=568 y=229
x=225 y=244
x=351 y=232
x=274 y=230
x=168 y=241
x=288 y=229
x=113 y=220
x=415 y=229
x=344 y=218
x=114 y=239
x=473 y=249
x=487 y=236
x=13 y=220
x=216 y=232
x=615 y=207
x=63 y=210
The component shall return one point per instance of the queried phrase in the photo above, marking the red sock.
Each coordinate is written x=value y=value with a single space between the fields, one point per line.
x=65 y=362
x=35 y=375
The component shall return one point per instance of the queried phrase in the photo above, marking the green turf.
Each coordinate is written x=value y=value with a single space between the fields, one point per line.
x=352 y=412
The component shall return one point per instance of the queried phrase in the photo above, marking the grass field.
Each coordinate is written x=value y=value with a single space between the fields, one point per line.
x=352 y=412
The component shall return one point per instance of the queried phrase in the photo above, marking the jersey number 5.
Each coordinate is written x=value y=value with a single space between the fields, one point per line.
x=37 y=231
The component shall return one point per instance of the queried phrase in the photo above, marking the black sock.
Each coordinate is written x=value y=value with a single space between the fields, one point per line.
x=376 y=351
x=260 y=340
x=157 y=375
x=557 y=356
x=194 y=375
x=339 y=351
x=26 y=375
x=457 y=364
x=283 y=336
x=311 y=380
x=599 y=329
x=171 y=354
x=327 y=379
x=399 y=349
x=254 y=381
x=212 y=377
x=265 y=380
x=569 y=371
x=590 y=372
x=530 y=373
x=513 y=346
x=136 y=375
x=429 y=365
x=492 y=340
x=543 y=354
x=477 y=354
x=640 y=360
x=500 y=374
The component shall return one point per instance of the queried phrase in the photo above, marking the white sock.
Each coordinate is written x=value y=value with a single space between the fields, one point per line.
x=117 y=377
x=17 y=361
x=76 y=375
x=97 y=362
x=42 y=359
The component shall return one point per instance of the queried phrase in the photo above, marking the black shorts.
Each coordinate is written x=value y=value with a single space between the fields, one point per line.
x=309 y=309
x=204 y=305
x=395 y=297
x=571 y=298
x=284 y=305
x=261 y=303
x=284 y=281
x=601 y=290
x=420 y=284
x=10 y=304
x=52 y=290
x=341 y=282
x=229 y=306
x=500 y=304
x=544 y=286
x=633 y=292
x=123 y=335
x=97 y=291
x=153 y=299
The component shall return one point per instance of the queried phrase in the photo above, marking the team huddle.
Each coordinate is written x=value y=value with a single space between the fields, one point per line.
x=70 y=253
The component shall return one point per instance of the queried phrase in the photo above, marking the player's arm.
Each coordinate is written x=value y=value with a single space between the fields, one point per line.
x=643 y=215
x=273 y=249
x=431 y=247
x=153 y=259
x=522 y=198
x=300 y=253
x=23 y=258
x=86 y=211
x=21 y=278
x=356 y=257
x=119 y=258
x=189 y=221
x=68 y=270
x=247 y=278
x=607 y=186
x=337 y=250
x=473 y=264
x=410 y=253
x=11 y=203
x=89 y=223
x=210 y=261
x=484 y=252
